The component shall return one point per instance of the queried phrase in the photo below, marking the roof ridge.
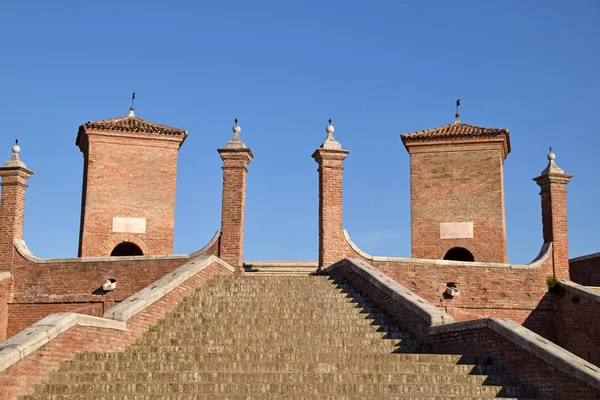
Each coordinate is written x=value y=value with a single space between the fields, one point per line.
x=132 y=123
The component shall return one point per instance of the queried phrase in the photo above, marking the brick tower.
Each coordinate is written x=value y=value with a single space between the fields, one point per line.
x=457 y=192
x=129 y=179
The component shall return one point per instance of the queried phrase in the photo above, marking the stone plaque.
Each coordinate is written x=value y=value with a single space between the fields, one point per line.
x=456 y=230
x=129 y=225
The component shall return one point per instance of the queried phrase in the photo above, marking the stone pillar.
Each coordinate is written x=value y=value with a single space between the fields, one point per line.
x=553 y=183
x=330 y=157
x=235 y=158
x=14 y=176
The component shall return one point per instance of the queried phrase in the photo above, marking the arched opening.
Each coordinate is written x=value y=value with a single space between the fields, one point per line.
x=126 y=249
x=459 y=254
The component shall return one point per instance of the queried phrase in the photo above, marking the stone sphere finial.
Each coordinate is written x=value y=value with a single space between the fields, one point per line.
x=16 y=149
x=330 y=128
x=551 y=155
x=236 y=127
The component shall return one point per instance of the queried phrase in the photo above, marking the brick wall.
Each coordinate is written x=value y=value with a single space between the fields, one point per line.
x=578 y=325
x=477 y=339
x=495 y=291
x=5 y=291
x=586 y=270
x=22 y=315
x=18 y=378
x=128 y=177
x=530 y=369
x=450 y=186
x=42 y=288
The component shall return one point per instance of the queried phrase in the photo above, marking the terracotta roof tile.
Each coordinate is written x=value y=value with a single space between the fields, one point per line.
x=133 y=124
x=458 y=130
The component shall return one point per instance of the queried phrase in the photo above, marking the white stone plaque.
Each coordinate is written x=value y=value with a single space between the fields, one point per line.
x=129 y=225
x=456 y=230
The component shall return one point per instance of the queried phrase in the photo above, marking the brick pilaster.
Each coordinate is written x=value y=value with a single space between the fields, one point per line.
x=236 y=158
x=14 y=175
x=553 y=183
x=330 y=157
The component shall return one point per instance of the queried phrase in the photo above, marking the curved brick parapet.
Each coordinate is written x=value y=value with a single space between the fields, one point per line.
x=487 y=290
x=75 y=284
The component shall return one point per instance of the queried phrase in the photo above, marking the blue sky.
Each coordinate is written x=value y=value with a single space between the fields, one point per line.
x=378 y=69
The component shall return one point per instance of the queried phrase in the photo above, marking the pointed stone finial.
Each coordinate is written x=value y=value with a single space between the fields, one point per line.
x=14 y=160
x=236 y=142
x=552 y=167
x=330 y=142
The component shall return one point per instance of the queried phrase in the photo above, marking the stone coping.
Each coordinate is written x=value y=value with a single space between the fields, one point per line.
x=283 y=263
x=48 y=328
x=5 y=275
x=430 y=313
x=544 y=253
x=22 y=249
x=586 y=257
x=583 y=291
x=150 y=294
x=554 y=355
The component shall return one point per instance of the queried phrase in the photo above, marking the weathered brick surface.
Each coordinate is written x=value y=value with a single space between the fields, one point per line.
x=477 y=341
x=500 y=291
x=12 y=211
x=235 y=162
x=331 y=237
x=18 y=379
x=128 y=175
x=42 y=288
x=395 y=309
x=554 y=219
x=586 y=270
x=578 y=324
x=531 y=369
x=5 y=291
x=451 y=183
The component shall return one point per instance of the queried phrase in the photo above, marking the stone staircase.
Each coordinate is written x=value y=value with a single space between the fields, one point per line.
x=276 y=337
x=281 y=267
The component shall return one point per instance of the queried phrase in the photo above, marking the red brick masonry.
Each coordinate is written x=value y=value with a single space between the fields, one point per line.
x=552 y=370
x=42 y=287
x=17 y=378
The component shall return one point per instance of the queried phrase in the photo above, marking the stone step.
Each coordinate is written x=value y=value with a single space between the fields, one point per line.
x=300 y=344
x=269 y=319
x=128 y=375
x=375 y=347
x=183 y=396
x=311 y=330
x=155 y=387
x=283 y=314
x=363 y=333
x=243 y=366
x=349 y=358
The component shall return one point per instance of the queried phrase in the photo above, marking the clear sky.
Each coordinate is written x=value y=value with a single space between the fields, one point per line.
x=378 y=69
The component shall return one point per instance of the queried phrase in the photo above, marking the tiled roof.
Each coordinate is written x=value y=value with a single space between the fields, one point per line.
x=133 y=124
x=457 y=130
